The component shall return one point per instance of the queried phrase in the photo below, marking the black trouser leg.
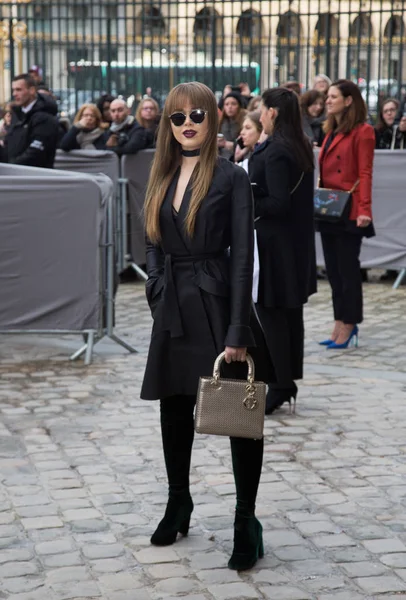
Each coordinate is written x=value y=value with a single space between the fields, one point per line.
x=284 y=334
x=341 y=253
x=330 y=251
x=247 y=466
x=177 y=426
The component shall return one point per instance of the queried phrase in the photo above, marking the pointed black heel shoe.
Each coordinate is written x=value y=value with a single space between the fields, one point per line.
x=248 y=543
x=276 y=397
x=176 y=520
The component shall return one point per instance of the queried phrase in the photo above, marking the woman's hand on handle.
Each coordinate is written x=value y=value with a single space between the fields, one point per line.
x=363 y=221
x=235 y=354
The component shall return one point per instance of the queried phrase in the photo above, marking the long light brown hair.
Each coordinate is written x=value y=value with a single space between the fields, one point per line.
x=138 y=116
x=353 y=115
x=168 y=157
x=94 y=109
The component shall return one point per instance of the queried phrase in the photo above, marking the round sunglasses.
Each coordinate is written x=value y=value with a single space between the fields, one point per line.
x=197 y=116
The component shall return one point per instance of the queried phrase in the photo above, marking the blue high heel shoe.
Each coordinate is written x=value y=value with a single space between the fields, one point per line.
x=353 y=338
x=326 y=343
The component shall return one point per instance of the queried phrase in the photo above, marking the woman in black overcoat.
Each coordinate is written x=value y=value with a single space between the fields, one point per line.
x=281 y=172
x=199 y=225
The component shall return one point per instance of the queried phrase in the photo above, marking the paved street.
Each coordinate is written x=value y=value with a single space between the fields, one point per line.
x=83 y=482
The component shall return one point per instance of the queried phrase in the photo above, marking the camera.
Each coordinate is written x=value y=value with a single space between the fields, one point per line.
x=122 y=138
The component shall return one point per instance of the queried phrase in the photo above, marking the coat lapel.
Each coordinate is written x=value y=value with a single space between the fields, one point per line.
x=172 y=224
x=333 y=144
x=184 y=207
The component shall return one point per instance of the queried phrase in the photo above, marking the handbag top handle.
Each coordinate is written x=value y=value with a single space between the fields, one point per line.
x=219 y=360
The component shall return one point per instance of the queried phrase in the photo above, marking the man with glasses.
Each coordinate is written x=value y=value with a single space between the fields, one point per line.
x=126 y=136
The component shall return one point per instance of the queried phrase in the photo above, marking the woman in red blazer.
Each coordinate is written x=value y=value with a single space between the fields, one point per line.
x=346 y=162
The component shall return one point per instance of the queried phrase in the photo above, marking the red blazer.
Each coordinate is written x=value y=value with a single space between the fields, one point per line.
x=350 y=157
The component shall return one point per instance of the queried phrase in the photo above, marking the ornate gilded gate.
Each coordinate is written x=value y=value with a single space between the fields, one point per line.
x=86 y=47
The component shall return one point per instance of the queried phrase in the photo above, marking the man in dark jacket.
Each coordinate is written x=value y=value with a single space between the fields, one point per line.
x=126 y=136
x=33 y=137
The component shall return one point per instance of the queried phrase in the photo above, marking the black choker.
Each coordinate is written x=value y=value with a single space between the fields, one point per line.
x=190 y=153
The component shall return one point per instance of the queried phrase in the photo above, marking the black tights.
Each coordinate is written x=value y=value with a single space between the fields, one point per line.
x=177 y=426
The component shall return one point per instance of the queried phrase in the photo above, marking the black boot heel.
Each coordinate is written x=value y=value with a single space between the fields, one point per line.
x=248 y=544
x=275 y=398
x=261 y=549
x=184 y=527
x=176 y=519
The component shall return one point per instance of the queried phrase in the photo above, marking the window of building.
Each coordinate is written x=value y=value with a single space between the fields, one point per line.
x=249 y=31
x=80 y=12
x=41 y=12
x=111 y=11
x=326 y=41
x=150 y=22
x=208 y=24
x=289 y=34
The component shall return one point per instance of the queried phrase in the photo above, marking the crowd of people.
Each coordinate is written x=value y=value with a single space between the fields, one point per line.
x=31 y=129
x=109 y=125
x=390 y=127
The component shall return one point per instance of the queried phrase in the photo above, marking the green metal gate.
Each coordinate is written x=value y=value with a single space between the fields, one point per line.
x=85 y=48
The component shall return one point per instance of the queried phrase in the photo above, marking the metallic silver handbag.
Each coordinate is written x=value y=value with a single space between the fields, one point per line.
x=232 y=407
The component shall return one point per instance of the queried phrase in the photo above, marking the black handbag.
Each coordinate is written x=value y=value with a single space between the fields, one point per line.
x=332 y=205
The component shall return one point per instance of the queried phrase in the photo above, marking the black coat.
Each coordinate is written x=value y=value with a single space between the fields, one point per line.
x=199 y=291
x=313 y=128
x=33 y=137
x=70 y=142
x=285 y=229
x=131 y=139
x=388 y=137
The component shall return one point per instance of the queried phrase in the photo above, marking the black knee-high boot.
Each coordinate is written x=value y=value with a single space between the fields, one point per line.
x=247 y=465
x=177 y=426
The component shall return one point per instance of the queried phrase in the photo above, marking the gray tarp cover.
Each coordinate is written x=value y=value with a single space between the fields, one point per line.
x=136 y=169
x=89 y=161
x=388 y=248
x=51 y=226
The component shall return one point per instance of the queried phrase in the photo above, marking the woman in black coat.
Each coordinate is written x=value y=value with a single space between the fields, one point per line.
x=281 y=172
x=199 y=224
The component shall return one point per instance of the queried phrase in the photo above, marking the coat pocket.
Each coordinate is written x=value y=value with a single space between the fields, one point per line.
x=213 y=286
x=153 y=292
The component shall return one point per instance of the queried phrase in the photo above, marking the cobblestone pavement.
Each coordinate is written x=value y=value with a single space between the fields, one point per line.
x=83 y=482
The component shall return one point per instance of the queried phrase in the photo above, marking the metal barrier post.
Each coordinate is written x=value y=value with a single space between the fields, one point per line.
x=127 y=259
x=108 y=331
x=122 y=222
x=399 y=279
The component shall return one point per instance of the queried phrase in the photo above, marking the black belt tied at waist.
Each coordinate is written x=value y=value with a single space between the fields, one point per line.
x=172 y=320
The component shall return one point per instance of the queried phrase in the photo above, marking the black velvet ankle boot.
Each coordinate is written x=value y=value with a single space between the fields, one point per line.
x=176 y=519
x=248 y=544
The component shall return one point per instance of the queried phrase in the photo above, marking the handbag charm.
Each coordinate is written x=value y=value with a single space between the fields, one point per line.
x=231 y=407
